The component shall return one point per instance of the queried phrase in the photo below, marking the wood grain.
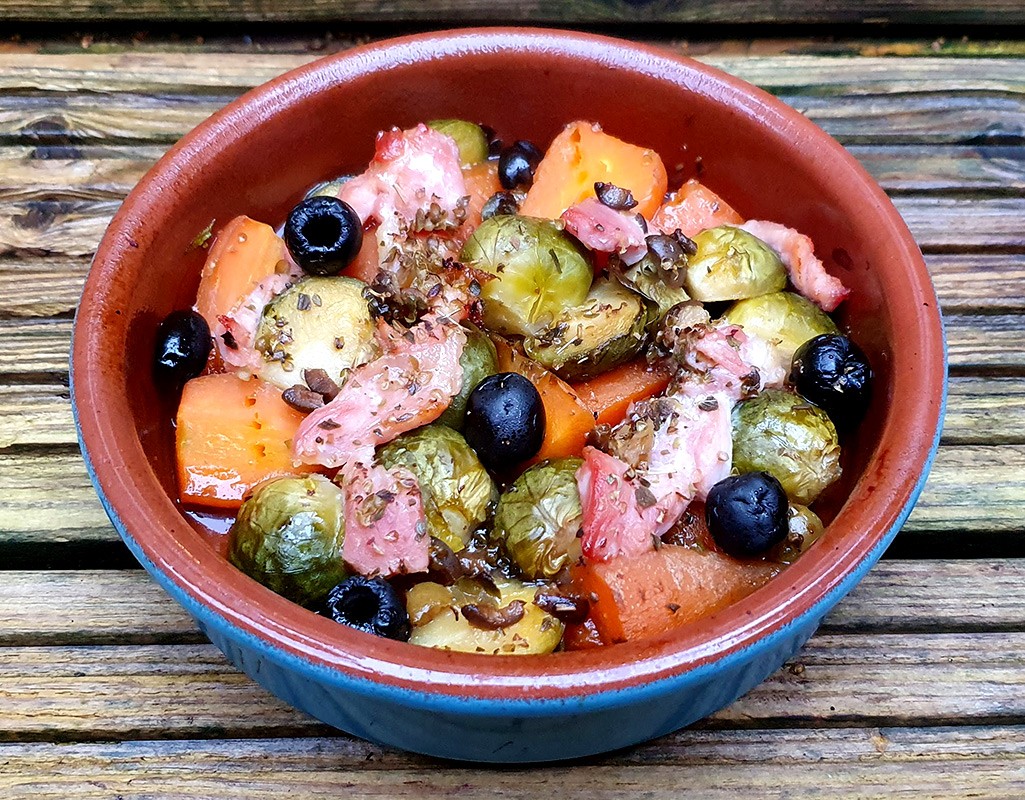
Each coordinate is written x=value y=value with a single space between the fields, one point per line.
x=102 y=607
x=859 y=763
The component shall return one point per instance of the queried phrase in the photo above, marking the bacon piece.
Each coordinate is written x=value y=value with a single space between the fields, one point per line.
x=385 y=527
x=411 y=171
x=806 y=271
x=614 y=522
x=409 y=385
x=726 y=359
x=606 y=230
x=234 y=333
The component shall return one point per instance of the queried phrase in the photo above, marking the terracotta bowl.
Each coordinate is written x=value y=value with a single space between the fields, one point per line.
x=258 y=156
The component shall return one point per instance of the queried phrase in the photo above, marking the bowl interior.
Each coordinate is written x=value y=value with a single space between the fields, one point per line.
x=259 y=156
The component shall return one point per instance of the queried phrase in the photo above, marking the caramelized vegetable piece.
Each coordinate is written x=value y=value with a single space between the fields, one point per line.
x=694 y=208
x=481 y=183
x=568 y=420
x=663 y=589
x=609 y=395
x=583 y=155
x=231 y=435
x=244 y=253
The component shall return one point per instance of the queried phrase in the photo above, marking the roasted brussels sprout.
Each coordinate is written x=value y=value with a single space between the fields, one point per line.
x=646 y=278
x=455 y=487
x=731 y=264
x=469 y=138
x=320 y=323
x=288 y=536
x=478 y=360
x=539 y=272
x=473 y=618
x=538 y=518
x=607 y=329
x=783 y=318
x=783 y=434
x=804 y=529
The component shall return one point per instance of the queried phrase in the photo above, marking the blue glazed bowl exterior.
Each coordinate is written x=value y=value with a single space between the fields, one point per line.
x=489 y=724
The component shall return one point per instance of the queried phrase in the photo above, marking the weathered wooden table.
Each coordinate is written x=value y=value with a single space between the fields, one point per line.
x=915 y=686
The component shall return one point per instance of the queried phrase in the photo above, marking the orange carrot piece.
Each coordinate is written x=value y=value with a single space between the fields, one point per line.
x=582 y=155
x=584 y=636
x=662 y=589
x=481 y=182
x=609 y=395
x=367 y=262
x=568 y=422
x=232 y=434
x=694 y=208
x=244 y=253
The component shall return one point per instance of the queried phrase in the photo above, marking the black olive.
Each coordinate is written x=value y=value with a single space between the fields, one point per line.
x=323 y=235
x=182 y=347
x=615 y=197
x=832 y=372
x=747 y=514
x=505 y=421
x=517 y=163
x=502 y=204
x=370 y=605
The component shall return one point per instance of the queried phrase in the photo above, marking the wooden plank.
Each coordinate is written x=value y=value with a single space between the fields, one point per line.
x=875 y=12
x=35 y=414
x=857 y=763
x=167 y=691
x=46 y=498
x=35 y=346
x=73 y=228
x=41 y=286
x=104 y=606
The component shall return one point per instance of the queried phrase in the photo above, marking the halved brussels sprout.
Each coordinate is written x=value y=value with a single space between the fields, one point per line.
x=786 y=319
x=732 y=264
x=479 y=359
x=539 y=272
x=319 y=323
x=539 y=516
x=805 y=528
x=455 y=487
x=644 y=277
x=606 y=330
x=288 y=536
x=786 y=436
x=441 y=618
x=469 y=138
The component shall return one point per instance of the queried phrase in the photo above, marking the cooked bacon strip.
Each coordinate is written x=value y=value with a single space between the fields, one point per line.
x=234 y=333
x=385 y=527
x=614 y=522
x=410 y=385
x=726 y=359
x=606 y=230
x=806 y=271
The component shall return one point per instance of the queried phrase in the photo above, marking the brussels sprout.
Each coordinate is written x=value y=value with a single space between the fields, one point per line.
x=539 y=272
x=731 y=264
x=607 y=329
x=644 y=277
x=478 y=360
x=538 y=518
x=784 y=435
x=469 y=138
x=328 y=188
x=319 y=323
x=805 y=528
x=455 y=487
x=464 y=618
x=783 y=318
x=288 y=536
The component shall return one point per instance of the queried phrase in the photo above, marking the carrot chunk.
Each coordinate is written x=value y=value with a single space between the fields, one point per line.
x=609 y=395
x=232 y=434
x=662 y=589
x=583 y=155
x=244 y=253
x=568 y=421
x=694 y=208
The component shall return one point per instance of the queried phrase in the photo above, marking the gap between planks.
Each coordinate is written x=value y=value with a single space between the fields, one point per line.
x=918 y=763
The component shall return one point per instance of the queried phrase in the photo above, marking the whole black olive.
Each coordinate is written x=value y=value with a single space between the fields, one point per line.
x=832 y=372
x=505 y=421
x=517 y=163
x=747 y=514
x=182 y=347
x=370 y=605
x=323 y=234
